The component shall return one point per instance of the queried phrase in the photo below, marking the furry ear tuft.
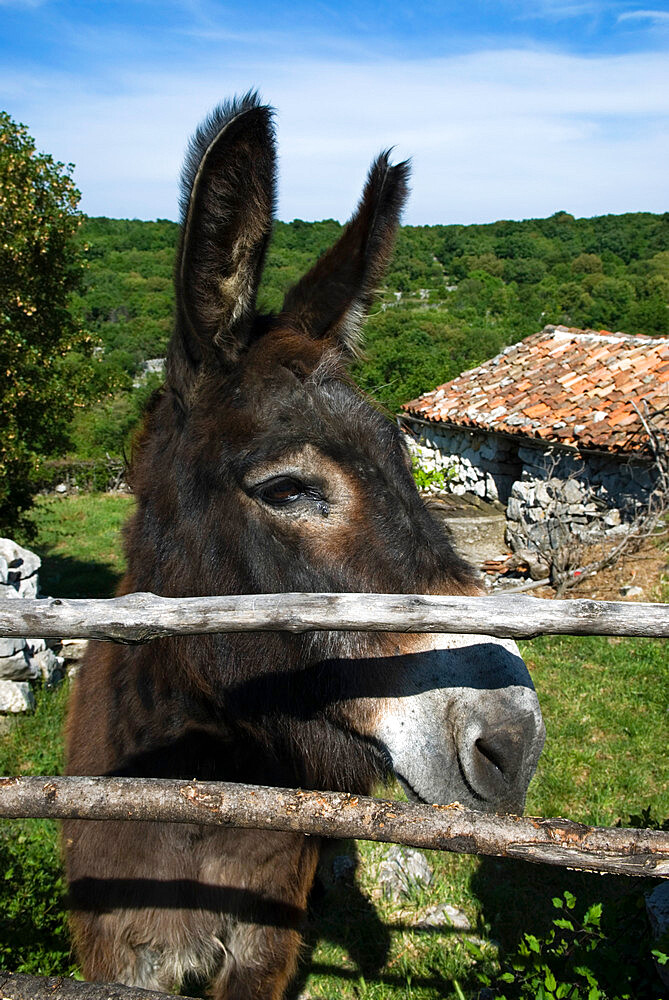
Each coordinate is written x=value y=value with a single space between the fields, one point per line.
x=227 y=206
x=334 y=297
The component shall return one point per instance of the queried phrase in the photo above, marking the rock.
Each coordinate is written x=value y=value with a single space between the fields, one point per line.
x=22 y=659
x=536 y=564
x=16 y=696
x=523 y=491
x=657 y=908
x=630 y=591
x=61 y=488
x=17 y=658
x=19 y=667
x=443 y=915
x=402 y=870
x=73 y=650
x=50 y=666
x=572 y=491
x=21 y=563
x=9 y=647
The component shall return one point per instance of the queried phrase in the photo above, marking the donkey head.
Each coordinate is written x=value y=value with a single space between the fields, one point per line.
x=262 y=468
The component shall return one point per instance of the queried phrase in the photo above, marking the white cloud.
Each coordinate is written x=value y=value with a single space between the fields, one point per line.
x=557 y=10
x=499 y=134
x=657 y=16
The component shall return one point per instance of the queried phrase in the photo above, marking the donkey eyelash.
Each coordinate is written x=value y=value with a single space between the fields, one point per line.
x=284 y=490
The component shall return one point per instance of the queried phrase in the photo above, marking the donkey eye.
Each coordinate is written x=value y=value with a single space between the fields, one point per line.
x=282 y=490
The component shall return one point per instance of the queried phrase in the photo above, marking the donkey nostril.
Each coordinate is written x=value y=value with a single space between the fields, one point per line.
x=496 y=760
x=491 y=750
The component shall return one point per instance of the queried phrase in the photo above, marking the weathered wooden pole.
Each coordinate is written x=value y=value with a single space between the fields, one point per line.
x=17 y=986
x=337 y=814
x=139 y=618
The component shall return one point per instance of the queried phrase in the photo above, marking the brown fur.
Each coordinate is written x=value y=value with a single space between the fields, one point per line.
x=247 y=398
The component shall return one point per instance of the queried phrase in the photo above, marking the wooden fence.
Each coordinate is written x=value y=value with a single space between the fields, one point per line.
x=142 y=617
x=138 y=618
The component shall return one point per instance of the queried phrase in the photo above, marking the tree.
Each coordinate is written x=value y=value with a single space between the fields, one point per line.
x=46 y=367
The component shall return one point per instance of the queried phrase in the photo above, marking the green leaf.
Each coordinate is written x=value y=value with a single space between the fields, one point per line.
x=532 y=943
x=570 y=899
x=507 y=977
x=557 y=903
x=659 y=956
x=593 y=914
x=563 y=923
x=549 y=980
x=473 y=949
x=458 y=991
x=586 y=972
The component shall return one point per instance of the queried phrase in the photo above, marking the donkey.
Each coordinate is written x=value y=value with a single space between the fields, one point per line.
x=262 y=468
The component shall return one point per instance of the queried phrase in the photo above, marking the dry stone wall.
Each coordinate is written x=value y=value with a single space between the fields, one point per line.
x=549 y=492
x=483 y=464
x=588 y=496
x=22 y=660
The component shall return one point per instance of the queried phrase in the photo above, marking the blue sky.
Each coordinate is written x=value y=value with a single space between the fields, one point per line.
x=508 y=108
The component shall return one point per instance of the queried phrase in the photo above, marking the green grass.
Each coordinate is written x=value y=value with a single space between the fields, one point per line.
x=33 y=932
x=78 y=539
x=607 y=726
x=606 y=757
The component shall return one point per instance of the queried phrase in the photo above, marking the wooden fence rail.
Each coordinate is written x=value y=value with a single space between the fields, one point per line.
x=337 y=814
x=138 y=618
x=18 y=986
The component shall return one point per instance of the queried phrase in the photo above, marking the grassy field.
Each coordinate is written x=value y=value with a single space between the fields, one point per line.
x=606 y=759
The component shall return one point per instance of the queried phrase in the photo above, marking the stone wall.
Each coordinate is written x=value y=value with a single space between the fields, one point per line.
x=550 y=493
x=22 y=660
x=587 y=496
x=474 y=462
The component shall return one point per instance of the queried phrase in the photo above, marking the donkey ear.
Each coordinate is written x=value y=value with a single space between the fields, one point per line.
x=227 y=204
x=333 y=298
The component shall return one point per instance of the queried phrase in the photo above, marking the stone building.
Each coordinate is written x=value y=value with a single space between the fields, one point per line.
x=549 y=428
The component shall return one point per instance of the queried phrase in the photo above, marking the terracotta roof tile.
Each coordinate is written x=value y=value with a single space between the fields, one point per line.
x=582 y=381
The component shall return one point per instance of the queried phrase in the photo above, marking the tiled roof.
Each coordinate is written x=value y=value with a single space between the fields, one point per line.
x=572 y=387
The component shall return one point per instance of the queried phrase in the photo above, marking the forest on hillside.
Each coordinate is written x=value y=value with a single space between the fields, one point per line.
x=454 y=296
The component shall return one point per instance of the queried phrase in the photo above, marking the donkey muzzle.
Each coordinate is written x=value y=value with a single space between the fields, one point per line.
x=465 y=724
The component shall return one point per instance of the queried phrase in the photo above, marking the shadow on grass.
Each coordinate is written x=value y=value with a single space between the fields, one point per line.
x=342 y=915
x=63 y=576
x=515 y=898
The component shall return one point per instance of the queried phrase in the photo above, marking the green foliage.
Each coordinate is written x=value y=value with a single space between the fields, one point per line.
x=454 y=296
x=108 y=427
x=33 y=923
x=45 y=356
x=602 y=954
x=424 y=478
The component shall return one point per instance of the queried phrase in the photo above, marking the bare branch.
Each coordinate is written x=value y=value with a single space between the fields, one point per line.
x=338 y=814
x=17 y=986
